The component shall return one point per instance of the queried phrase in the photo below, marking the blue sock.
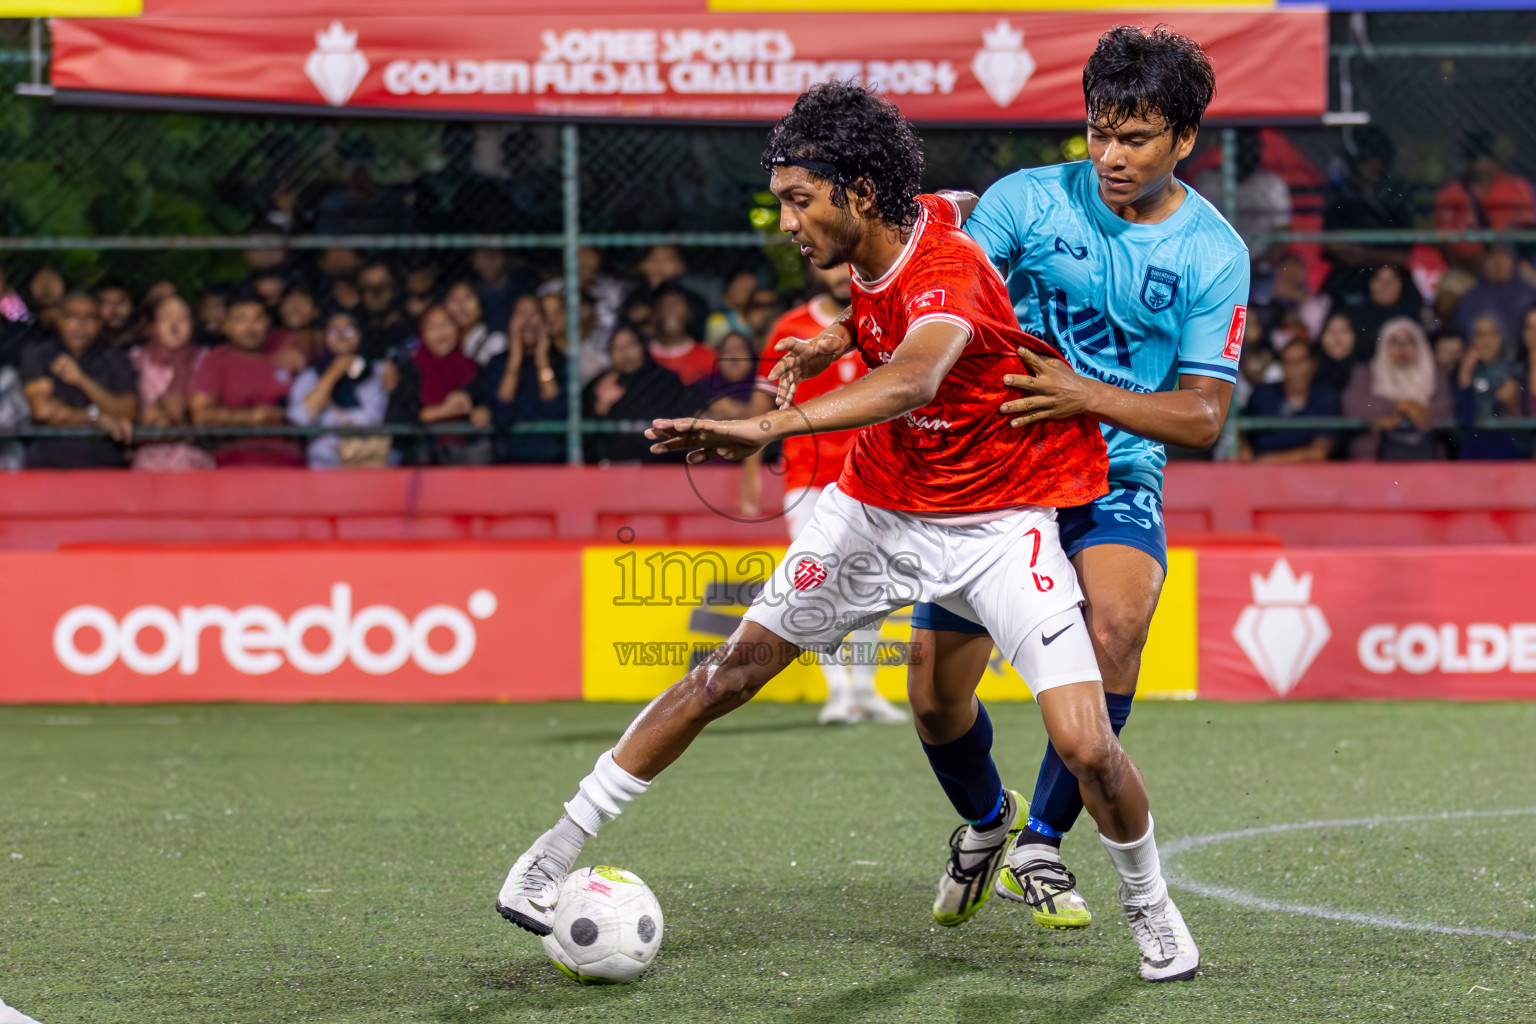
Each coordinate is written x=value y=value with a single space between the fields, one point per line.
x=965 y=770
x=1057 y=801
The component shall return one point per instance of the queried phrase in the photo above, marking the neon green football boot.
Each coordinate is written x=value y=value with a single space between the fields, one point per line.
x=1036 y=877
x=973 y=866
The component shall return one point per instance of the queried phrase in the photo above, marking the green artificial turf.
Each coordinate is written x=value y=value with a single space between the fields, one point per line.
x=339 y=864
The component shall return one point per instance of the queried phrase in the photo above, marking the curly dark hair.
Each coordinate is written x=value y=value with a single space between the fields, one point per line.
x=1148 y=75
x=856 y=140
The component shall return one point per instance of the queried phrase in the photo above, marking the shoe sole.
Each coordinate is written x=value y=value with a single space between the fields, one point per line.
x=523 y=921
x=1185 y=976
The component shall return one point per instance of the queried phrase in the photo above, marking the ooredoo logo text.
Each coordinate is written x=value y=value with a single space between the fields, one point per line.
x=256 y=640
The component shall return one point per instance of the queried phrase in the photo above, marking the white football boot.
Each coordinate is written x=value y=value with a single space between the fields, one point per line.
x=532 y=888
x=877 y=709
x=1168 y=952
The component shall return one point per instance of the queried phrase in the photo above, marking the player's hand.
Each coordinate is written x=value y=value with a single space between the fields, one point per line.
x=708 y=440
x=1054 y=392
x=805 y=358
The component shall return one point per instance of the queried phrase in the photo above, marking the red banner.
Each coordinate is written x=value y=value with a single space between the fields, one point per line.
x=939 y=67
x=1383 y=623
x=298 y=624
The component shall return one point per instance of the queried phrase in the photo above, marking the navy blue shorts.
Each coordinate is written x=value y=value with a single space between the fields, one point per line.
x=1129 y=514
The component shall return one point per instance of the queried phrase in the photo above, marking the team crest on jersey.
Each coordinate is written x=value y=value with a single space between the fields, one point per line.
x=1158 y=288
x=810 y=573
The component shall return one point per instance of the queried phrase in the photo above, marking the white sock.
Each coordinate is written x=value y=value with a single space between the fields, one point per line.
x=838 y=684
x=602 y=795
x=862 y=666
x=1139 y=866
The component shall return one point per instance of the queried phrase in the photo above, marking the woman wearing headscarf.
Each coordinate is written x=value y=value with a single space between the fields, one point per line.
x=1401 y=393
x=165 y=365
x=1392 y=293
x=636 y=390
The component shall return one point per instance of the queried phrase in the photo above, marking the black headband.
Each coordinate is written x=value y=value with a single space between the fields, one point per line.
x=818 y=167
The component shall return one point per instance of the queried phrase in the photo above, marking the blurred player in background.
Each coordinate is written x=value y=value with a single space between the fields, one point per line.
x=812 y=461
x=941 y=499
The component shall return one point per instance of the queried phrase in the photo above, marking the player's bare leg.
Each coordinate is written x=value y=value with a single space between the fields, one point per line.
x=722 y=683
x=1121 y=585
x=943 y=671
x=1111 y=785
x=1114 y=792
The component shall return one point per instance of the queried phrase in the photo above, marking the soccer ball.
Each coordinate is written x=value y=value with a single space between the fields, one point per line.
x=607 y=927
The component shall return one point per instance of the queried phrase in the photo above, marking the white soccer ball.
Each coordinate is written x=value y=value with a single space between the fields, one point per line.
x=607 y=926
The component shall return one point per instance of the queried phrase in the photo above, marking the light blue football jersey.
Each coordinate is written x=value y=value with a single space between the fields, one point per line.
x=1133 y=305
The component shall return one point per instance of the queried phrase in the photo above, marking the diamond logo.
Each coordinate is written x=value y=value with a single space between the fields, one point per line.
x=336 y=66
x=1282 y=632
x=1002 y=65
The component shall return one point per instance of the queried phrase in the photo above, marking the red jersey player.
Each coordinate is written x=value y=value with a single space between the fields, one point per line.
x=940 y=500
x=812 y=461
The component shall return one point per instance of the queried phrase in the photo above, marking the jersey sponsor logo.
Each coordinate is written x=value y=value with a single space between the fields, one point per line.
x=927 y=300
x=1158 y=288
x=1086 y=332
x=1235 y=331
x=927 y=422
x=810 y=573
x=1077 y=252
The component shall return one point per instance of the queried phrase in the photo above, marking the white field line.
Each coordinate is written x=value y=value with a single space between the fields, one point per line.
x=1250 y=901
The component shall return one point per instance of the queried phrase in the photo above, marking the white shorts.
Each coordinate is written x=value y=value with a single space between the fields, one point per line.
x=854 y=563
x=799 y=506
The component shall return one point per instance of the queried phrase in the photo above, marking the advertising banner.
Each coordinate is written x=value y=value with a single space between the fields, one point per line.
x=1379 y=624
x=354 y=624
x=649 y=614
x=957 y=68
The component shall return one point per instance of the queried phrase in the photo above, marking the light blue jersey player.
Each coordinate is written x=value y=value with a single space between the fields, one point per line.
x=1143 y=286
x=1136 y=306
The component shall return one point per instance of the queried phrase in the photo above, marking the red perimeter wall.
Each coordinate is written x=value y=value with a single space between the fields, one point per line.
x=1305 y=506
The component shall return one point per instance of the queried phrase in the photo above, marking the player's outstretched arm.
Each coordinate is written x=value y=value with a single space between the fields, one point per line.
x=1190 y=417
x=805 y=358
x=909 y=381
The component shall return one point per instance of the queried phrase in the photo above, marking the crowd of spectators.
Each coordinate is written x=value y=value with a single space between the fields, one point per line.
x=349 y=340
x=1428 y=346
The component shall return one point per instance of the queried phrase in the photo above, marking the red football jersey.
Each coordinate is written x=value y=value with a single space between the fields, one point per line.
x=813 y=460
x=958 y=454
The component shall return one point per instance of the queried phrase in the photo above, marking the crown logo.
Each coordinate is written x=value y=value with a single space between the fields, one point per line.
x=336 y=66
x=1282 y=587
x=336 y=39
x=1002 y=65
x=1003 y=36
x=1282 y=632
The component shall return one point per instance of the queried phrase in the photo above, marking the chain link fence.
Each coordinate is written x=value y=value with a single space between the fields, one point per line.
x=196 y=199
